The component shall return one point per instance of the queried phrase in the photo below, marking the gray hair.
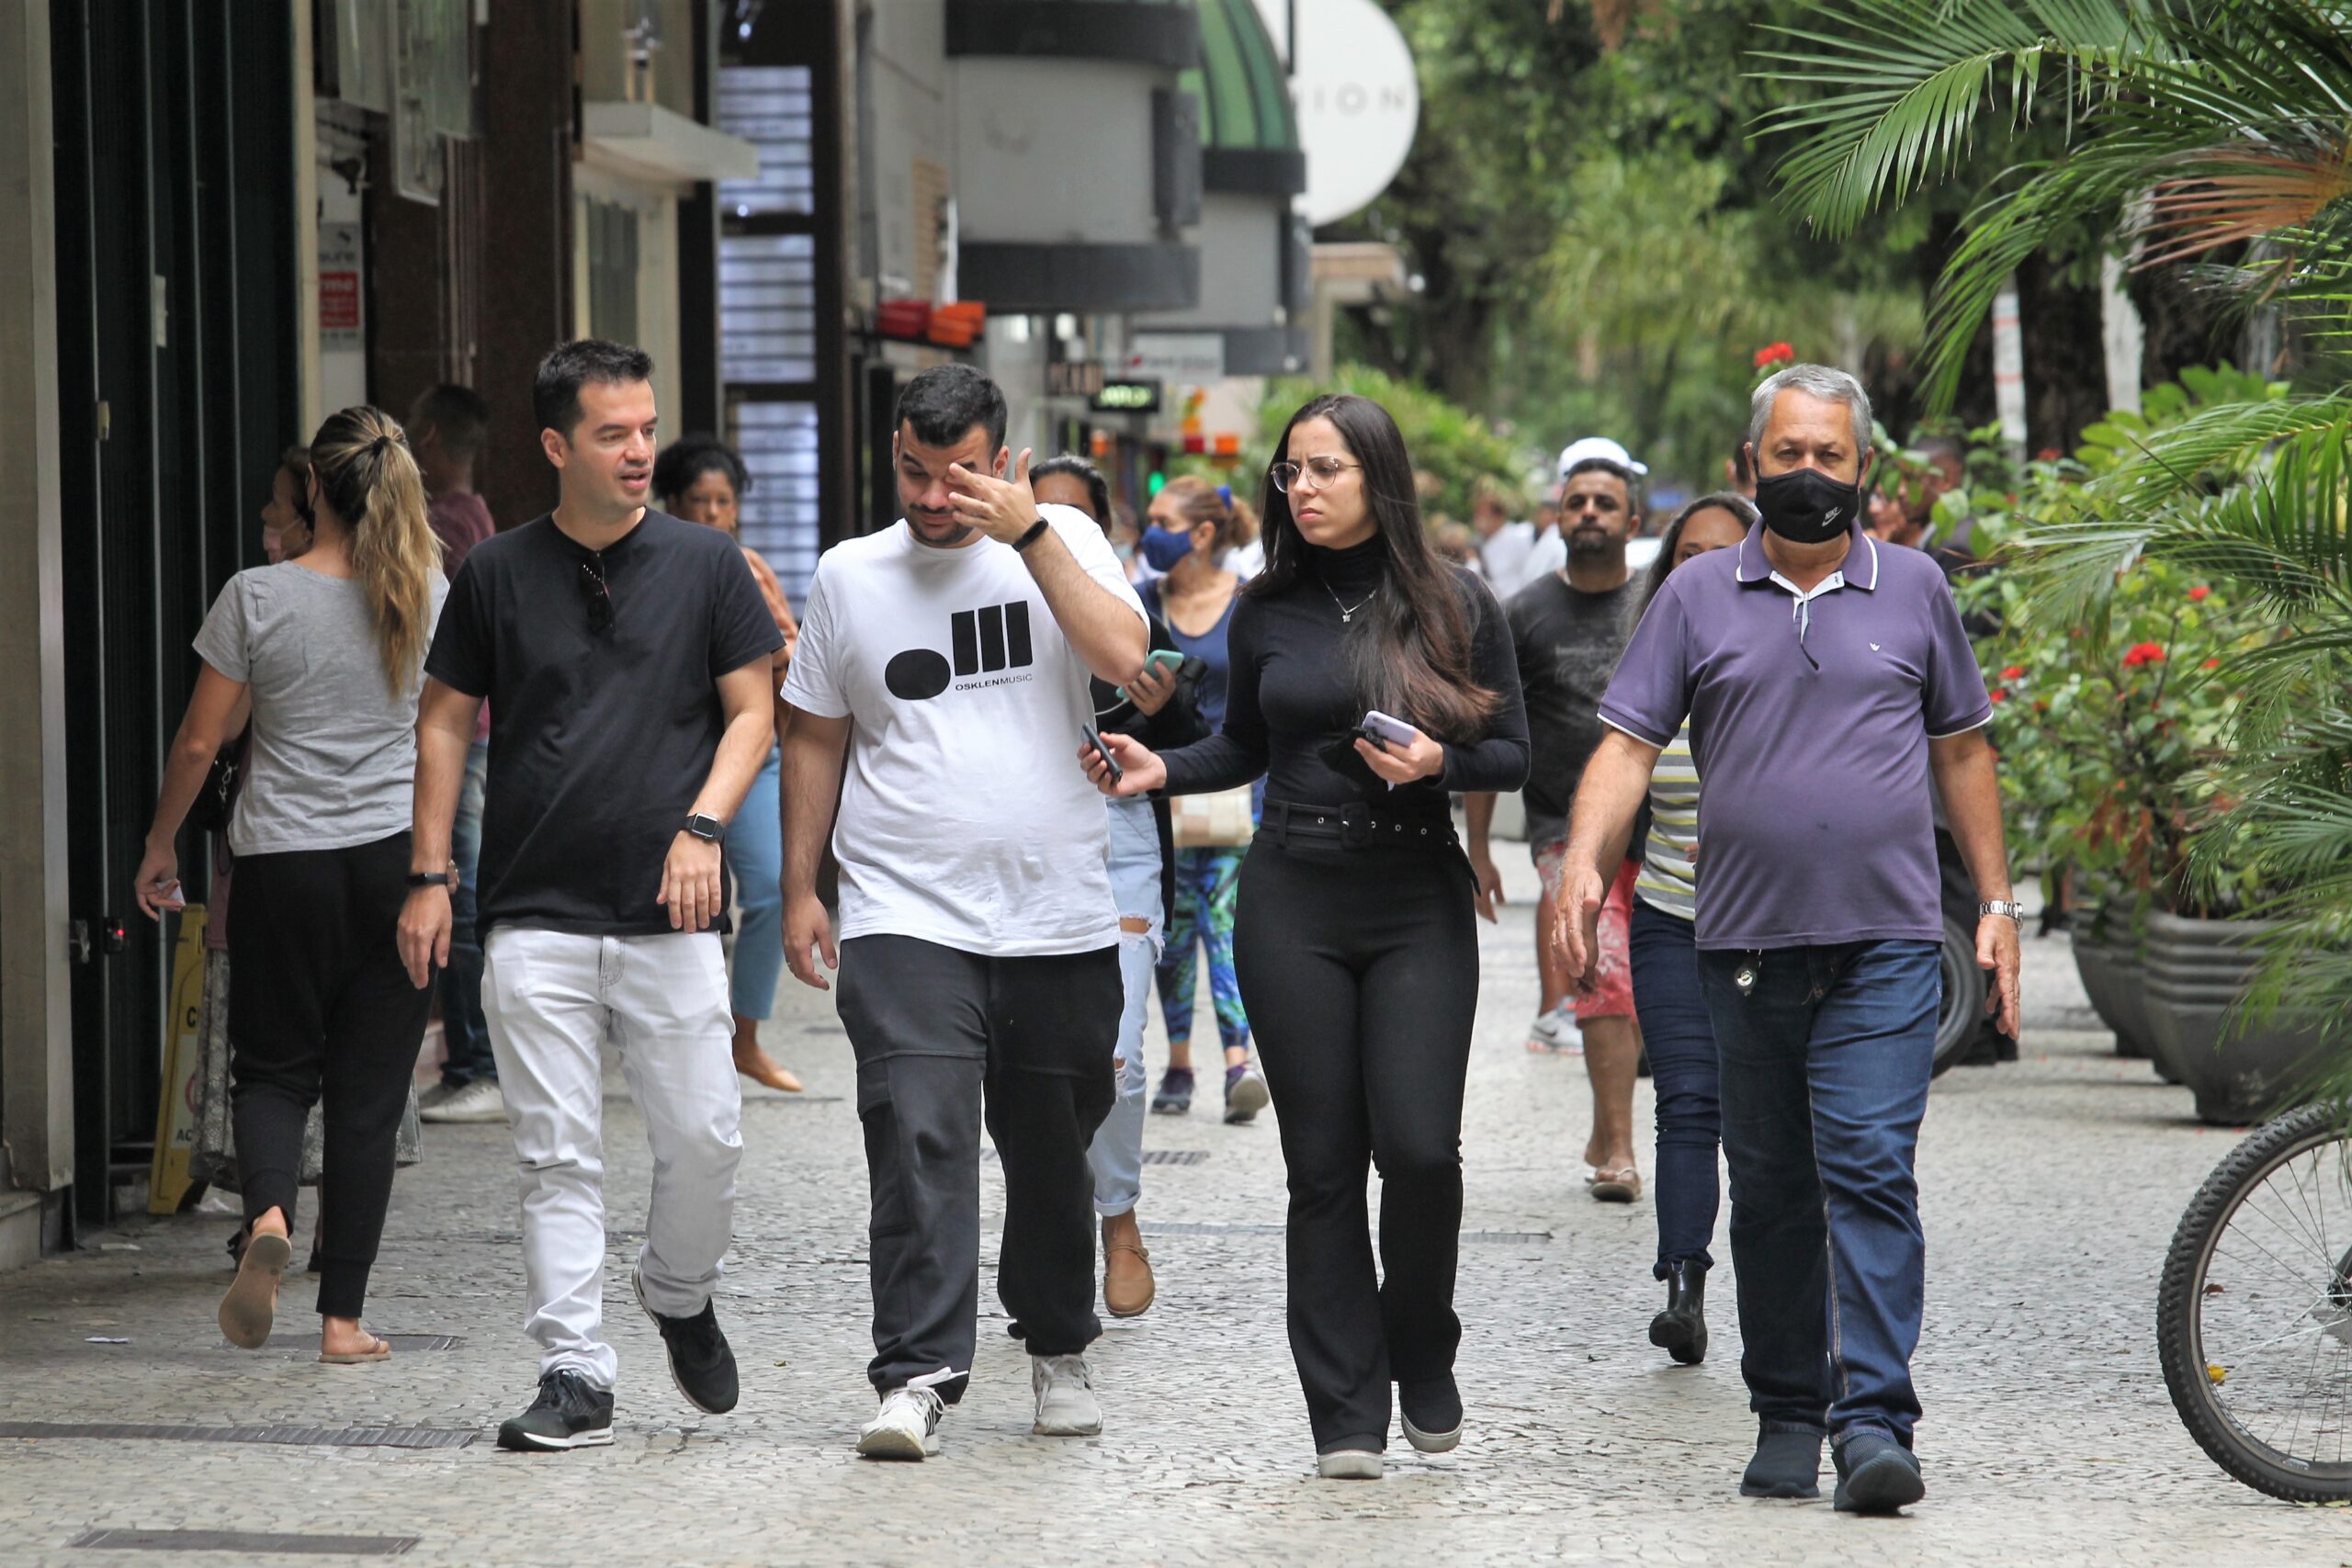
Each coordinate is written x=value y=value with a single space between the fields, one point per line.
x=1822 y=381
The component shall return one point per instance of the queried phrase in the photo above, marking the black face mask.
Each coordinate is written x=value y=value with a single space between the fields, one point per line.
x=1806 y=506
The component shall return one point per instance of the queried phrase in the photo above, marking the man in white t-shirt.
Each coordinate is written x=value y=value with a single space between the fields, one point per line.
x=1503 y=545
x=946 y=659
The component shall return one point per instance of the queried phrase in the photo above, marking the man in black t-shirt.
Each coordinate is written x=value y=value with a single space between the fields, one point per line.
x=625 y=655
x=1570 y=628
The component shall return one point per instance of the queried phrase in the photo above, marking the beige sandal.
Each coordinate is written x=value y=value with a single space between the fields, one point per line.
x=1614 y=1186
x=251 y=1305
x=380 y=1349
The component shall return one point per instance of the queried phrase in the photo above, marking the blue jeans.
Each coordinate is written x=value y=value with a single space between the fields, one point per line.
x=1825 y=1063
x=1681 y=1044
x=462 y=1030
x=1116 y=1153
x=755 y=855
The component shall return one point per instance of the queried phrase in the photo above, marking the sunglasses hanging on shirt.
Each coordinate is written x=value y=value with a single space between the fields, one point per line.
x=593 y=588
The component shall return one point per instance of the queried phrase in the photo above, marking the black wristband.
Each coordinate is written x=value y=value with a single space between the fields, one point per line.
x=1037 y=530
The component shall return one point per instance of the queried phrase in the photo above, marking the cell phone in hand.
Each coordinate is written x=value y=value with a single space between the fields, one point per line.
x=1094 y=738
x=1158 y=658
x=1384 y=730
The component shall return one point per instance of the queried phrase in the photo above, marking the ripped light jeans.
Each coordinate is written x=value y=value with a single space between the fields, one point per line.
x=1116 y=1153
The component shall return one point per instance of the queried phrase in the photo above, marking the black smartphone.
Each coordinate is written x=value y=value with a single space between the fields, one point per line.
x=1094 y=738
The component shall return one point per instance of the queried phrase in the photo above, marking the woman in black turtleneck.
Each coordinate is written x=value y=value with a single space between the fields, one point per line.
x=1353 y=940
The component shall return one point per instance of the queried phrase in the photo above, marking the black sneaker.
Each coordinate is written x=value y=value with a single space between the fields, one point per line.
x=1431 y=1409
x=1175 y=1095
x=701 y=1364
x=1876 y=1475
x=568 y=1414
x=1787 y=1464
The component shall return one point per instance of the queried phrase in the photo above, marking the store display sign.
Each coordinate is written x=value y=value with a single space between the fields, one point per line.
x=1132 y=395
x=1188 y=359
x=342 y=324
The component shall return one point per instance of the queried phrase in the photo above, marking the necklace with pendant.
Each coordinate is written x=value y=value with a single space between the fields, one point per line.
x=1348 y=612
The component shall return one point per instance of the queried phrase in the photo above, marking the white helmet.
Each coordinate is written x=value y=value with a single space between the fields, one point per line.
x=1600 y=450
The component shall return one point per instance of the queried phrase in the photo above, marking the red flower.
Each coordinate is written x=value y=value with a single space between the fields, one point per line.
x=2199 y=593
x=2013 y=671
x=1998 y=694
x=1774 y=353
x=2047 y=455
x=2212 y=664
x=2140 y=653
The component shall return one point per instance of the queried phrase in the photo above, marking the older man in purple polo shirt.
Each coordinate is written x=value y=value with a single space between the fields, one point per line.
x=1832 y=696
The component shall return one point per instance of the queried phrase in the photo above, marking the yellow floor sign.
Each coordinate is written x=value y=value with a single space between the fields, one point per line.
x=168 y=1183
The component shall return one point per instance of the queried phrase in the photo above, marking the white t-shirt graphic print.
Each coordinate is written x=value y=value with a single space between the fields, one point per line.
x=964 y=818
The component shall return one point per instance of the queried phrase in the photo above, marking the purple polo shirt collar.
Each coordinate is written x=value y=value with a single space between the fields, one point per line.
x=1755 y=566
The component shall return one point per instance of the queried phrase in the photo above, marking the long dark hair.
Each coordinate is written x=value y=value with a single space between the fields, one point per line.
x=1410 y=655
x=1729 y=501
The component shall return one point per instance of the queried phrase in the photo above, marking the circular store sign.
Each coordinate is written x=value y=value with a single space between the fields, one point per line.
x=1357 y=104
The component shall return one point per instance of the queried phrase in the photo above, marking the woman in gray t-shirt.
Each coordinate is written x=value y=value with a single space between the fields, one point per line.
x=327 y=649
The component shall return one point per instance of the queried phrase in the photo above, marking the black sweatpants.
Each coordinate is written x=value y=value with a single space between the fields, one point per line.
x=935 y=1030
x=1359 y=969
x=322 y=1008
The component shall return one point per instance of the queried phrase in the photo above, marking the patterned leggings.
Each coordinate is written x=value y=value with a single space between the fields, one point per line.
x=1205 y=895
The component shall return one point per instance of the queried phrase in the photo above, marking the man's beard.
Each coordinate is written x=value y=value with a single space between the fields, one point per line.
x=1591 y=542
x=957 y=531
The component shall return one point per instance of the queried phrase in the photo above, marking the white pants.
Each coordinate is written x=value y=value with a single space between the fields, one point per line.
x=549 y=999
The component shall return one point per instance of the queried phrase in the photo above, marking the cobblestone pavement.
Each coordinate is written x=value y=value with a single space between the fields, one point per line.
x=2052 y=1186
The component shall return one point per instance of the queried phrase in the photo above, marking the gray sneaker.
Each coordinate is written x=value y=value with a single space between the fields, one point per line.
x=440 y=1091
x=478 y=1102
x=1065 y=1403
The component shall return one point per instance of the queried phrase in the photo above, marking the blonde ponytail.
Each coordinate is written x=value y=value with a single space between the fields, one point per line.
x=370 y=477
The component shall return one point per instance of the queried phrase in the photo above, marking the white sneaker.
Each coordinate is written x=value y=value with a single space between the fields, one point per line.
x=1556 y=1031
x=478 y=1102
x=1348 y=1464
x=907 y=1427
x=1065 y=1403
x=434 y=1096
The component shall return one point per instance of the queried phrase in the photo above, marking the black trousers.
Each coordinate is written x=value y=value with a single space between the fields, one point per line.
x=937 y=1031
x=1360 y=972
x=322 y=1010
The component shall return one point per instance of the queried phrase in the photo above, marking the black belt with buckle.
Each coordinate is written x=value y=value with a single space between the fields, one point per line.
x=1354 y=825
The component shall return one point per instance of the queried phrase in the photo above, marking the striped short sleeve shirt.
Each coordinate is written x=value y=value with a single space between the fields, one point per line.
x=1668 y=882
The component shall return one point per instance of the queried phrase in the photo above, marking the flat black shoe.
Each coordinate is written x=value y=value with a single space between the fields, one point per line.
x=567 y=1414
x=1876 y=1475
x=1431 y=1410
x=1787 y=1464
x=1681 y=1329
x=701 y=1363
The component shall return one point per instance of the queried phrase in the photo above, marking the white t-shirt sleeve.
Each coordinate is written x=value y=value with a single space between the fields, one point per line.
x=1093 y=548
x=813 y=684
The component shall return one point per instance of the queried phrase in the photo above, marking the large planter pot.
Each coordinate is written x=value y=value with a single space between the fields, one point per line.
x=2108 y=963
x=2197 y=970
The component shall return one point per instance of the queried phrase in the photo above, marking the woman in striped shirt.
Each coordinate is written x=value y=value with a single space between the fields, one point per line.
x=1680 y=1044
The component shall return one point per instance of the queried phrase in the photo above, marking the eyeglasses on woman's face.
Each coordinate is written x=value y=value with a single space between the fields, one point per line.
x=1317 y=473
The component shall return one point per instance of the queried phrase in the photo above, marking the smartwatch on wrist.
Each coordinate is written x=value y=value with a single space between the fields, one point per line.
x=1037 y=530
x=709 y=830
x=435 y=878
x=2001 y=907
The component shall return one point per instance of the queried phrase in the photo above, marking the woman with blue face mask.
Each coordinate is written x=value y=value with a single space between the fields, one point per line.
x=1191 y=528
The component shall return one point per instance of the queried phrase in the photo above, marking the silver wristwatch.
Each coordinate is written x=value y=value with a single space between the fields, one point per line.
x=2001 y=907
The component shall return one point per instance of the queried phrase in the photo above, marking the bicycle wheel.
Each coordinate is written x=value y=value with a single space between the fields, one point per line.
x=2254 y=1316
x=1963 y=1006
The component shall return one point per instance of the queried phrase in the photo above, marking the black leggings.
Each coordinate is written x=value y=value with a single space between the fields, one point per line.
x=321 y=1006
x=1360 y=971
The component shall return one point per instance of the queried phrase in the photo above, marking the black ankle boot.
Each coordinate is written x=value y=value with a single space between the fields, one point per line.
x=1681 y=1329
